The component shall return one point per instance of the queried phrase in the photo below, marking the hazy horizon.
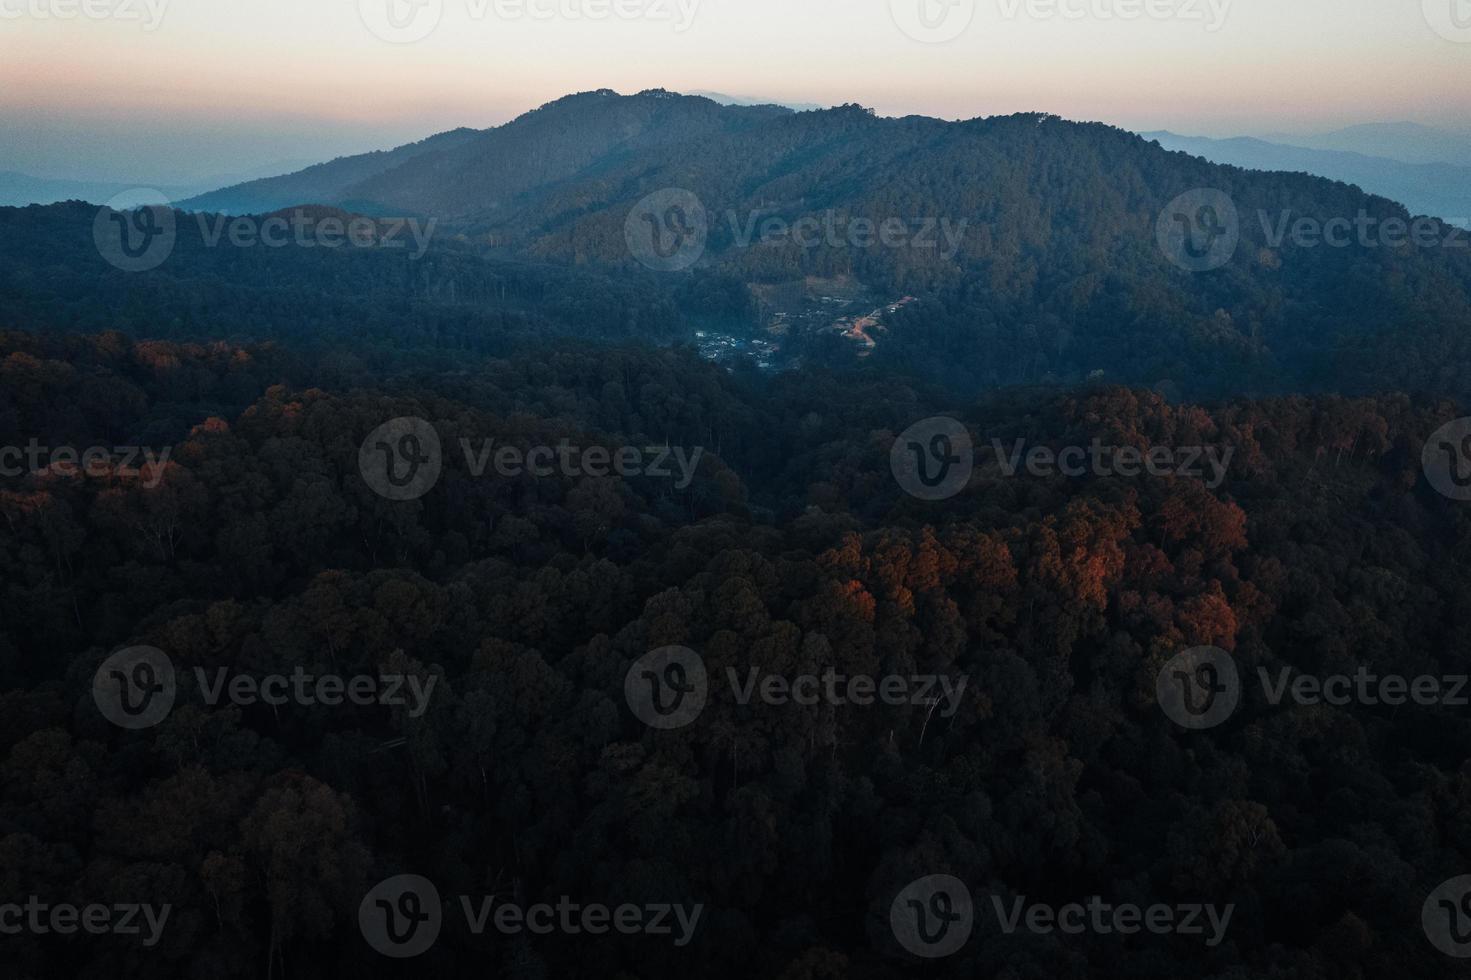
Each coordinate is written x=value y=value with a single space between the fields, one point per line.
x=175 y=93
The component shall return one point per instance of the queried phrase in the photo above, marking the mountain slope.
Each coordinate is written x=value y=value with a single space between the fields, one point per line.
x=563 y=139
x=1058 y=272
x=1404 y=141
x=1439 y=189
x=726 y=99
x=324 y=183
x=18 y=190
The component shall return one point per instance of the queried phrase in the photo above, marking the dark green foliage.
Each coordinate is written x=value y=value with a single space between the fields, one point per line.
x=262 y=549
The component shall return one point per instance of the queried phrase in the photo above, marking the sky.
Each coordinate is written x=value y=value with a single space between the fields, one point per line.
x=175 y=91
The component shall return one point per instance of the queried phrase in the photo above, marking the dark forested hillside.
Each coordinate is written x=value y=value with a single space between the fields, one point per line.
x=359 y=298
x=1002 y=251
x=573 y=138
x=261 y=544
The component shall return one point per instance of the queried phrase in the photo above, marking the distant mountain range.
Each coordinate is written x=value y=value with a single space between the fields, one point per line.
x=20 y=189
x=724 y=99
x=1439 y=189
x=1405 y=141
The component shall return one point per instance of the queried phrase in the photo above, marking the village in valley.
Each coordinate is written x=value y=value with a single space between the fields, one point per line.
x=839 y=312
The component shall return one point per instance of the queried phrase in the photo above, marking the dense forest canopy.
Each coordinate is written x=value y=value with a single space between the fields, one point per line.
x=521 y=602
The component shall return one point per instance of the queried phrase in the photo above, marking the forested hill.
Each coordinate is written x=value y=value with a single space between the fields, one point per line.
x=467 y=171
x=1038 y=242
x=1040 y=251
x=573 y=139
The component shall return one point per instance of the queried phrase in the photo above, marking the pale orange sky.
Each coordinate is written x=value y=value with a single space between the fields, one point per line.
x=216 y=85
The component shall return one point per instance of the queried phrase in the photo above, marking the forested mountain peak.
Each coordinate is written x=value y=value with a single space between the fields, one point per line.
x=1036 y=249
